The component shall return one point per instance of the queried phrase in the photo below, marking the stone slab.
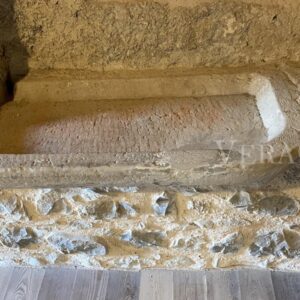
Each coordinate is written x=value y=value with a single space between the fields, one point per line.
x=136 y=132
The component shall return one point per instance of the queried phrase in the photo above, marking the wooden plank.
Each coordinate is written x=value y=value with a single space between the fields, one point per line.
x=286 y=285
x=90 y=285
x=256 y=284
x=222 y=285
x=123 y=285
x=63 y=284
x=190 y=285
x=24 y=284
x=57 y=284
x=156 y=285
x=5 y=276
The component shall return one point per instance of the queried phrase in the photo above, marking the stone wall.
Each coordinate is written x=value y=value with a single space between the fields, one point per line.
x=137 y=229
x=129 y=229
x=105 y=35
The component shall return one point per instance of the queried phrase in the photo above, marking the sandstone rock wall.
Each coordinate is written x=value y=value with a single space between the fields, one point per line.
x=103 y=35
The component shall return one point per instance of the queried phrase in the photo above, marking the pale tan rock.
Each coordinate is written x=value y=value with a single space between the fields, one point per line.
x=154 y=137
x=99 y=35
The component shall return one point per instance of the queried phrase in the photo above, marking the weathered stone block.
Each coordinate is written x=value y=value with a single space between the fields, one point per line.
x=278 y=205
x=241 y=199
x=109 y=35
x=153 y=139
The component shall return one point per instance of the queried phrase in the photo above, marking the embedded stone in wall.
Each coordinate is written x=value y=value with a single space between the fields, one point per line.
x=61 y=206
x=278 y=205
x=46 y=201
x=68 y=244
x=103 y=209
x=241 y=199
x=272 y=243
x=231 y=243
x=125 y=208
x=18 y=236
x=144 y=238
x=11 y=205
x=162 y=205
x=292 y=238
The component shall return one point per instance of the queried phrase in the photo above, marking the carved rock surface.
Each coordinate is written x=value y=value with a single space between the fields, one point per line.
x=148 y=34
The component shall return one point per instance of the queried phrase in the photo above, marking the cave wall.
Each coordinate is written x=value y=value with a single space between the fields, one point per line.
x=108 y=35
x=191 y=229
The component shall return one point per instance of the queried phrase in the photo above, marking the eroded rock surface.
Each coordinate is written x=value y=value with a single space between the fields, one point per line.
x=272 y=243
x=278 y=205
x=68 y=244
x=146 y=34
x=126 y=209
x=241 y=199
x=229 y=244
x=18 y=236
x=161 y=205
x=203 y=231
x=145 y=238
x=106 y=209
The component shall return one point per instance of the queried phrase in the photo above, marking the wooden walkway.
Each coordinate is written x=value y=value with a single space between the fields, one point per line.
x=62 y=283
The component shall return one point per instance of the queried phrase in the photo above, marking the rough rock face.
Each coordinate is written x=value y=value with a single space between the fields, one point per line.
x=3 y=73
x=163 y=205
x=18 y=236
x=126 y=209
x=230 y=243
x=145 y=238
x=241 y=199
x=272 y=243
x=103 y=209
x=72 y=244
x=278 y=205
x=205 y=230
x=145 y=34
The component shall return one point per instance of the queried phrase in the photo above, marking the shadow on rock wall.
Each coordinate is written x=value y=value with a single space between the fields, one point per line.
x=13 y=52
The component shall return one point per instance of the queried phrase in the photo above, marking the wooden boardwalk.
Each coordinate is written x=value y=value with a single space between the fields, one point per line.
x=63 y=283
